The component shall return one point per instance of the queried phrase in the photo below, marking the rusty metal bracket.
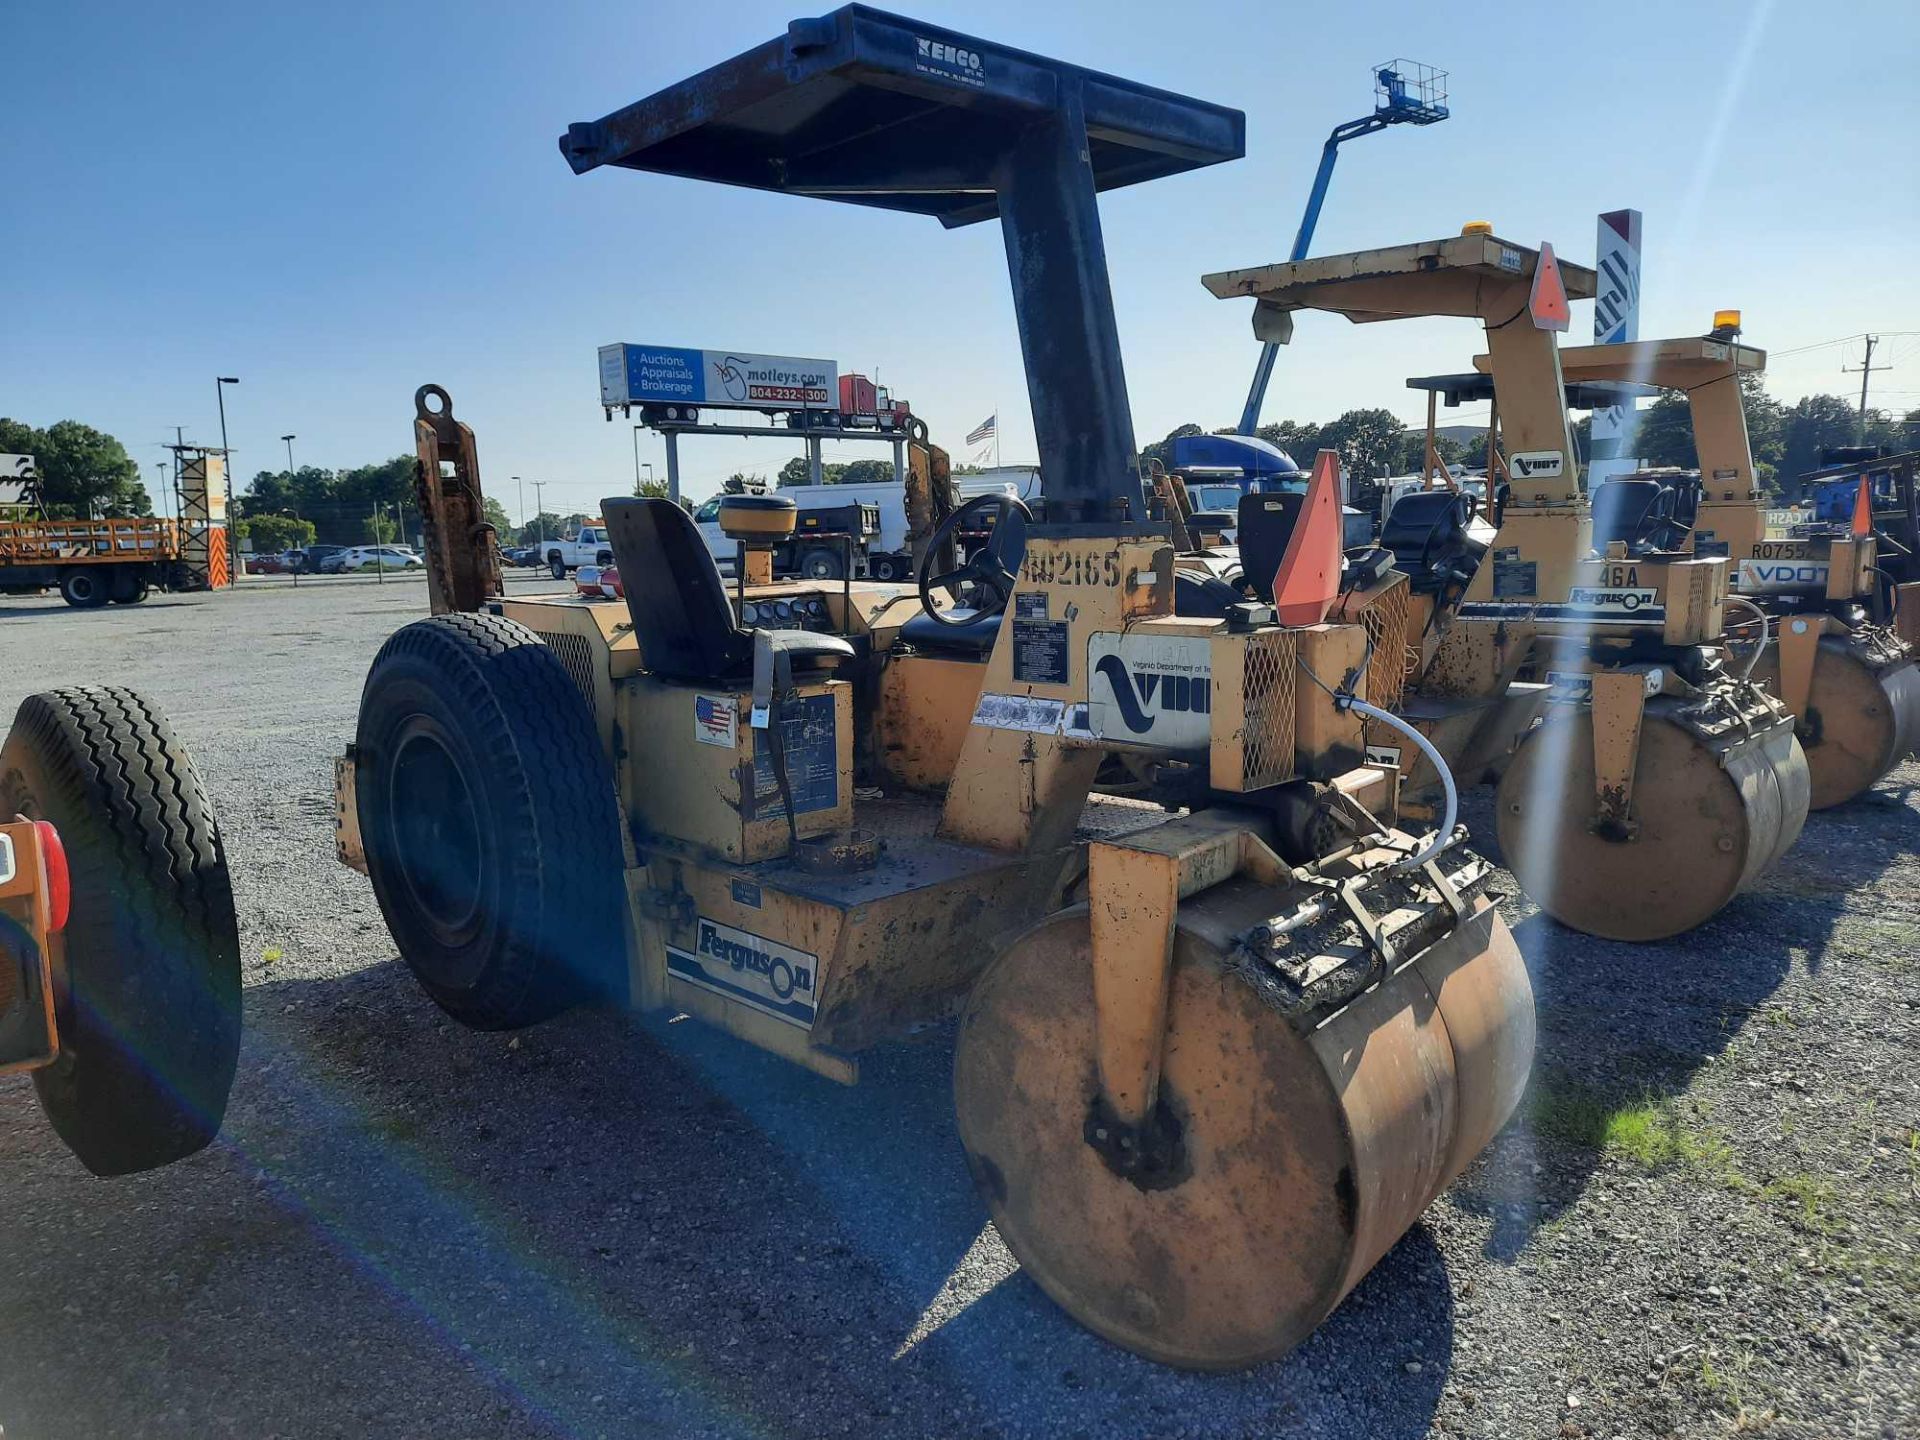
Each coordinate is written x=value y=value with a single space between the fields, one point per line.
x=672 y=907
x=1618 y=703
x=463 y=554
x=1135 y=885
x=1799 y=641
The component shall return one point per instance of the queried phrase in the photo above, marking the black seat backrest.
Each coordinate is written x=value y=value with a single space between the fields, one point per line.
x=1626 y=509
x=1267 y=519
x=1203 y=597
x=681 y=614
x=1425 y=523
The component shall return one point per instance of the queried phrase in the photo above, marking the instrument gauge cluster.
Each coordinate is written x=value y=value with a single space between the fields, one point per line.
x=788 y=612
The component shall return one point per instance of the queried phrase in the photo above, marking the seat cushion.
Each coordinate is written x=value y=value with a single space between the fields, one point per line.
x=975 y=638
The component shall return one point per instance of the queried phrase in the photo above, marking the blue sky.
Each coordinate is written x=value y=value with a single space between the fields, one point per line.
x=337 y=203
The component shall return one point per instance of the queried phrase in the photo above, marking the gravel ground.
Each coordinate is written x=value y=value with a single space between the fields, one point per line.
x=1704 y=1222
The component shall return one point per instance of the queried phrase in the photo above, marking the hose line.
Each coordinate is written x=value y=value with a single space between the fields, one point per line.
x=1760 y=648
x=1445 y=833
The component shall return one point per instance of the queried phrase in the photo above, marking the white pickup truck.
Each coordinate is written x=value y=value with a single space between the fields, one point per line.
x=586 y=546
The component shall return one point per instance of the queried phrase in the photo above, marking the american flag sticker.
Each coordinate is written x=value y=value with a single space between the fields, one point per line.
x=715 y=720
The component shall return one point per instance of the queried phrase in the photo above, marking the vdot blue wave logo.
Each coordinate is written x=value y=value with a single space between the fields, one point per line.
x=1143 y=694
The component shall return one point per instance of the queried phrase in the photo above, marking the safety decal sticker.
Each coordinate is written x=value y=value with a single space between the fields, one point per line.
x=716 y=720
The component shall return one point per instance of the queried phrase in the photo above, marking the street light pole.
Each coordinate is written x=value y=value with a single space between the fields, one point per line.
x=636 y=459
x=220 y=383
x=521 y=489
x=289 y=439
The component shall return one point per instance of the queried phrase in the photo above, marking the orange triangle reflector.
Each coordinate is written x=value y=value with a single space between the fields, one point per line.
x=1863 y=510
x=1308 y=580
x=1548 y=303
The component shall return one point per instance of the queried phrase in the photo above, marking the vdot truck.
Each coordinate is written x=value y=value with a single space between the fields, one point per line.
x=585 y=546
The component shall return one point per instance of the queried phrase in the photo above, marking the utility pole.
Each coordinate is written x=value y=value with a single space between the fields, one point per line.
x=1866 y=369
x=540 y=511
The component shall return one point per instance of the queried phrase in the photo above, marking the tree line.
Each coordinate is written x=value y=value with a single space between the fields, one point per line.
x=83 y=472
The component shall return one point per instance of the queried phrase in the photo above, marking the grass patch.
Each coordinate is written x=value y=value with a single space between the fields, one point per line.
x=1808 y=1197
x=1646 y=1130
x=1727 y=1382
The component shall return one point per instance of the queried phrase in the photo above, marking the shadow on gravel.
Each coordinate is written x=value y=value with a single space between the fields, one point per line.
x=117 y=614
x=1621 y=1024
x=615 y=1228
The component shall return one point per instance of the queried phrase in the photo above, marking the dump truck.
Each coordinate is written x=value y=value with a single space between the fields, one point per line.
x=119 y=949
x=1209 y=1067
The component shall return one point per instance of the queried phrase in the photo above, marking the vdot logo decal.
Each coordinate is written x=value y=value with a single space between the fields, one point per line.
x=1537 y=465
x=1154 y=689
x=743 y=966
x=1772 y=577
x=951 y=62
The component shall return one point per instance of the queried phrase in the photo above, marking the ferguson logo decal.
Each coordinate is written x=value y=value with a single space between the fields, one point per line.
x=1537 y=465
x=936 y=57
x=749 y=968
x=1152 y=689
x=1611 y=602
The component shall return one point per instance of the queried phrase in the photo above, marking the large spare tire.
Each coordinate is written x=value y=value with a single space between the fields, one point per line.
x=488 y=817
x=148 y=999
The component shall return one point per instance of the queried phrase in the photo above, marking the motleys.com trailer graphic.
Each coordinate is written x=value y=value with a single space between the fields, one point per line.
x=654 y=374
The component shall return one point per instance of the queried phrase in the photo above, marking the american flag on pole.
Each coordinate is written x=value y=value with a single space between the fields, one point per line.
x=982 y=431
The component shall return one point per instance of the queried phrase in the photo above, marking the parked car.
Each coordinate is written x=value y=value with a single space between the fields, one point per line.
x=371 y=557
x=315 y=558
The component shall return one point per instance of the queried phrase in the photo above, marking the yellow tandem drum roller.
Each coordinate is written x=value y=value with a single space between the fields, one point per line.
x=1305 y=1149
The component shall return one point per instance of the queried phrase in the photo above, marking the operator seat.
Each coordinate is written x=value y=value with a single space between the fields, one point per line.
x=1267 y=521
x=1428 y=534
x=679 y=606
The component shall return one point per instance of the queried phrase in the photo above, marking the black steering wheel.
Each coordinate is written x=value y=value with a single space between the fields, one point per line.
x=1675 y=531
x=985 y=583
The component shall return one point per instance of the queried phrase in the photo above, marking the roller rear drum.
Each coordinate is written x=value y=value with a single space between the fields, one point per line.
x=1861 y=718
x=1706 y=824
x=1304 y=1156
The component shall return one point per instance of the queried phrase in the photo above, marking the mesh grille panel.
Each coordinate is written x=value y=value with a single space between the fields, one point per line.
x=1386 y=625
x=1268 y=686
x=577 y=656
